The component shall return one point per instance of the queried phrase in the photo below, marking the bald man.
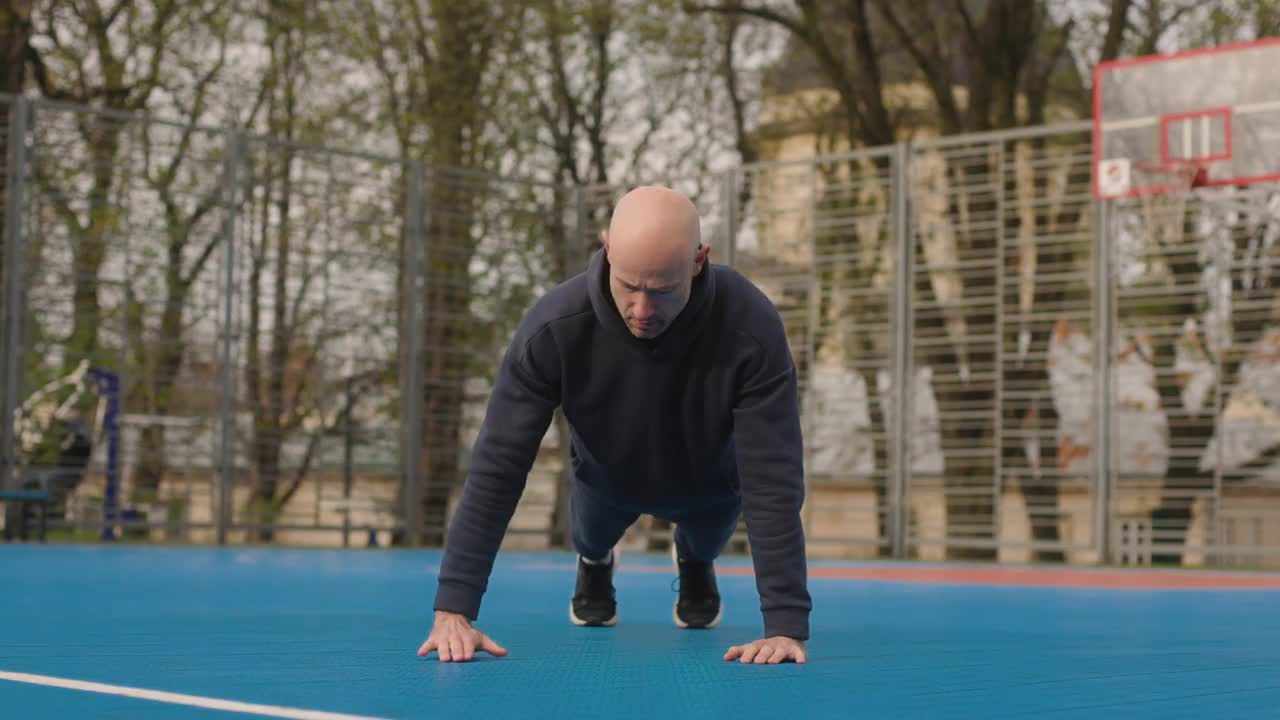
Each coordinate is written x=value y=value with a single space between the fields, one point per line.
x=680 y=392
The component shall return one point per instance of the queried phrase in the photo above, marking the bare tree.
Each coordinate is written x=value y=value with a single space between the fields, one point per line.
x=286 y=334
x=840 y=37
x=15 y=44
x=986 y=65
x=434 y=61
x=113 y=58
x=177 y=174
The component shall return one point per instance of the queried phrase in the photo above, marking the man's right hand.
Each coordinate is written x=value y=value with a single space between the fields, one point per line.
x=456 y=641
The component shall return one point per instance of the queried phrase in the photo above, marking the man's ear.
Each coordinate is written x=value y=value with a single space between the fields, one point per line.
x=700 y=258
x=604 y=240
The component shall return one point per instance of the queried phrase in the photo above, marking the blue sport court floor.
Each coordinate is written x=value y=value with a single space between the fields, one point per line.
x=153 y=632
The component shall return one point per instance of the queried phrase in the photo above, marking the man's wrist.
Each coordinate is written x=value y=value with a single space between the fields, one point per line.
x=787 y=622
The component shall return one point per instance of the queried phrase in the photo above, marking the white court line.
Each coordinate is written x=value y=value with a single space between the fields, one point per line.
x=179 y=699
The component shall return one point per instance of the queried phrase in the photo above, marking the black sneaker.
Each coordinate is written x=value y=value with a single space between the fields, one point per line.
x=698 y=606
x=594 y=603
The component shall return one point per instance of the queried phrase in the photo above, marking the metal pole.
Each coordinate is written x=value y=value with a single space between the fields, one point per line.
x=10 y=323
x=997 y=406
x=730 y=216
x=326 y=304
x=899 y=438
x=415 y=298
x=348 y=452
x=1102 y=329
x=1215 y=532
x=227 y=398
x=108 y=385
x=115 y=508
x=812 y=321
x=572 y=247
x=578 y=241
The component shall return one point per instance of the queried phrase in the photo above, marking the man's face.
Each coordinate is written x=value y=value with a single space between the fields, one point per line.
x=654 y=249
x=650 y=294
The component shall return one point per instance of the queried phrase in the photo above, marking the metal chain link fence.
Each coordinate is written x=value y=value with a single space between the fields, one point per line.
x=216 y=337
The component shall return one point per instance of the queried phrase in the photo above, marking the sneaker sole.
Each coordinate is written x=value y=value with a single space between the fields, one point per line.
x=573 y=618
x=675 y=608
x=675 y=615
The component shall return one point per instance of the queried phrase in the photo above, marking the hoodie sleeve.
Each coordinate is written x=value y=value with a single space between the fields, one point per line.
x=771 y=475
x=524 y=397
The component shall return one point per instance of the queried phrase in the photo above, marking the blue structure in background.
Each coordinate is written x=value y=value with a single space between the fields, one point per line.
x=337 y=631
x=44 y=483
x=108 y=386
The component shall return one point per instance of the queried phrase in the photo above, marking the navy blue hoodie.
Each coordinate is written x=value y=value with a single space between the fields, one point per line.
x=708 y=408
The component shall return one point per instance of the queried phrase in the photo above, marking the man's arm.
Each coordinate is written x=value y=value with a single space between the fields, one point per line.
x=771 y=472
x=520 y=408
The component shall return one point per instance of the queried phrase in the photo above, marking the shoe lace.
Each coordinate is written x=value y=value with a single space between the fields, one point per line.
x=596 y=581
x=694 y=582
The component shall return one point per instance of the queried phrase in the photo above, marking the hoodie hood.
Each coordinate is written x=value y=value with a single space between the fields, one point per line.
x=675 y=340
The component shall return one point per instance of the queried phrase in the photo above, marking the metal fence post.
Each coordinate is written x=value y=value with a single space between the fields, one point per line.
x=415 y=289
x=998 y=395
x=1102 y=329
x=577 y=241
x=900 y=440
x=227 y=397
x=10 y=324
x=730 y=216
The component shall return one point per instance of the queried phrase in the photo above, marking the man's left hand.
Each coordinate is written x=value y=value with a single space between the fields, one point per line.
x=769 y=651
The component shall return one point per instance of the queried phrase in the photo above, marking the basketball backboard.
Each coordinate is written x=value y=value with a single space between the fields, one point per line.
x=1203 y=118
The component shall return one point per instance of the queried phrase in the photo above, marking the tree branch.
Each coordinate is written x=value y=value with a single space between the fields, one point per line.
x=359 y=384
x=878 y=125
x=165 y=12
x=761 y=13
x=970 y=29
x=601 y=28
x=421 y=34
x=729 y=74
x=935 y=72
x=114 y=14
x=41 y=73
x=1040 y=78
x=1056 y=55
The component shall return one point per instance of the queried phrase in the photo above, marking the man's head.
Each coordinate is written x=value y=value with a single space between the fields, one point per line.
x=654 y=246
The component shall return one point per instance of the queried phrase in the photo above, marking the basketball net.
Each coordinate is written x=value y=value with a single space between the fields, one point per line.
x=1164 y=213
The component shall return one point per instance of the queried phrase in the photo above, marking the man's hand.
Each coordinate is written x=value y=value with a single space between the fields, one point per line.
x=456 y=641
x=769 y=651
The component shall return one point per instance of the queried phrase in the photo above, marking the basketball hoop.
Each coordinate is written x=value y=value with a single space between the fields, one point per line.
x=1205 y=118
x=1164 y=213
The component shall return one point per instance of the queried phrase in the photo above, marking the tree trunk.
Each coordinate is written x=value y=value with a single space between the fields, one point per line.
x=15 y=34
x=253 y=333
x=565 y=241
x=1189 y=436
x=836 y=276
x=968 y=482
x=448 y=348
x=1041 y=496
x=270 y=427
x=90 y=250
x=171 y=348
x=464 y=39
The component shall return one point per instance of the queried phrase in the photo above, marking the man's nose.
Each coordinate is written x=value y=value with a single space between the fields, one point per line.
x=642 y=308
